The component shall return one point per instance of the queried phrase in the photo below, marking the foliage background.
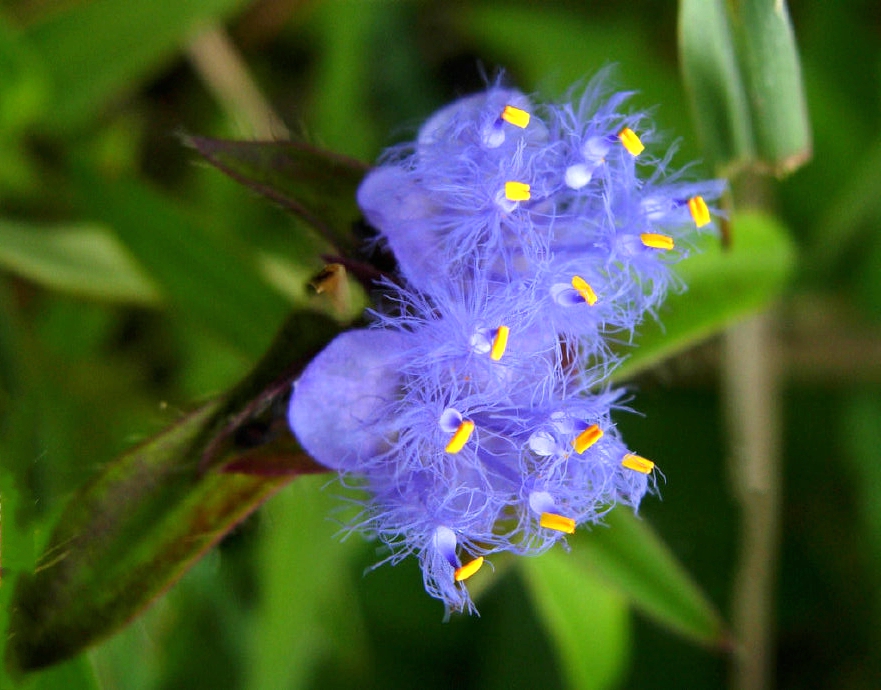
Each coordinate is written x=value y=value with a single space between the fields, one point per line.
x=90 y=110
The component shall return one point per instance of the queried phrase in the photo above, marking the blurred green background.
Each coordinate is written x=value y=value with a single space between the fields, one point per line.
x=94 y=177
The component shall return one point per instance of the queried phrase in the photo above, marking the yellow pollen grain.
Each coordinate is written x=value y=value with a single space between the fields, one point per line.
x=460 y=438
x=699 y=211
x=500 y=343
x=518 y=118
x=517 y=191
x=638 y=463
x=468 y=569
x=631 y=142
x=656 y=241
x=557 y=522
x=584 y=289
x=587 y=438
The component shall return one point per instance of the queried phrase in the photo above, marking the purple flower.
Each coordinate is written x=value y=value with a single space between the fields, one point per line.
x=475 y=412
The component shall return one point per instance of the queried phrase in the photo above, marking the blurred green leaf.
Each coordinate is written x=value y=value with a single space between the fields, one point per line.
x=723 y=285
x=137 y=527
x=208 y=278
x=587 y=619
x=742 y=70
x=96 y=51
x=308 y=612
x=861 y=439
x=851 y=219
x=23 y=96
x=83 y=259
x=542 y=46
x=627 y=555
x=347 y=32
x=23 y=93
x=316 y=185
x=124 y=539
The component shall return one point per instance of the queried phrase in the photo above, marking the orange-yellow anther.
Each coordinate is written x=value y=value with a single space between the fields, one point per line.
x=587 y=438
x=656 y=241
x=460 y=438
x=518 y=118
x=468 y=569
x=557 y=522
x=631 y=141
x=584 y=289
x=517 y=191
x=500 y=343
x=638 y=463
x=699 y=211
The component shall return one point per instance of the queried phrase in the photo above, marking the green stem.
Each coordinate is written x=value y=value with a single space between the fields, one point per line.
x=750 y=384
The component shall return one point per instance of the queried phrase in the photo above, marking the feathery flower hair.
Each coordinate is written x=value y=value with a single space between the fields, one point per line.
x=475 y=412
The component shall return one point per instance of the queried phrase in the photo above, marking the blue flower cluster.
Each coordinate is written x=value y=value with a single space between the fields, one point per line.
x=475 y=412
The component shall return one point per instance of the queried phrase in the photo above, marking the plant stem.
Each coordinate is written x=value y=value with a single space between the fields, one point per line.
x=750 y=385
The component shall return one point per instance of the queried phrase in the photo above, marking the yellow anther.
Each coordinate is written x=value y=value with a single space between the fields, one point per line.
x=638 y=463
x=584 y=289
x=656 y=241
x=500 y=343
x=460 y=438
x=699 y=211
x=557 y=522
x=631 y=141
x=587 y=438
x=517 y=191
x=518 y=118
x=468 y=569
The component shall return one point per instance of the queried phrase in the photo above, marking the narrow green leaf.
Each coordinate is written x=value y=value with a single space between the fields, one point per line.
x=771 y=71
x=741 y=67
x=207 y=278
x=629 y=556
x=723 y=285
x=712 y=77
x=86 y=260
x=587 y=619
x=316 y=185
x=95 y=51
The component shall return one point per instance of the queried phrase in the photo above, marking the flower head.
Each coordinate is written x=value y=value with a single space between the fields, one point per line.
x=476 y=411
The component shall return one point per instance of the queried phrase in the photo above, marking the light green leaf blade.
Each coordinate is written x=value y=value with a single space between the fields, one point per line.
x=81 y=259
x=723 y=285
x=742 y=69
x=771 y=69
x=587 y=619
x=307 y=613
x=712 y=77
x=628 y=555
x=95 y=51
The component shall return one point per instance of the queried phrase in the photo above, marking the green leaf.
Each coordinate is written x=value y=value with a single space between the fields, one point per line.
x=124 y=539
x=95 y=51
x=305 y=614
x=82 y=259
x=627 y=555
x=587 y=619
x=723 y=285
x=742 y=70
x=24 y=91
x=127 y=536
x=210 y=279
x=316 y=185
